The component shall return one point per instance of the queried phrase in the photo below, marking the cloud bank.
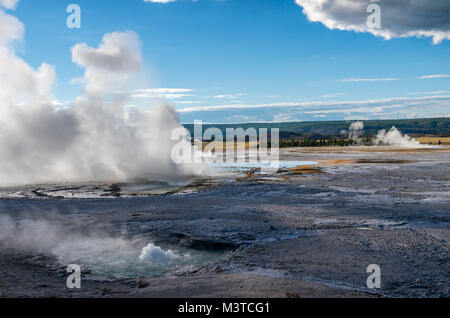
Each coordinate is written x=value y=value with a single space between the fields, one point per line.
x=399 y=18
x=386 y=108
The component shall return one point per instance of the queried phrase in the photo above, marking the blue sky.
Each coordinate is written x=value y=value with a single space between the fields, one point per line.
x=249 y=60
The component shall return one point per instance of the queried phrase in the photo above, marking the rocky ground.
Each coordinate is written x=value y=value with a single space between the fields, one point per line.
x=309 y=233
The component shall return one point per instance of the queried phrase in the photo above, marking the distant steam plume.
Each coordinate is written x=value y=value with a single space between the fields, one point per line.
x=395 y=138
x=392 y=137
x=92 y=140
x=355 y=130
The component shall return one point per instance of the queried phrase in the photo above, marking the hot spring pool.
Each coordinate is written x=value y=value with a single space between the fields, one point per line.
x=117 y=259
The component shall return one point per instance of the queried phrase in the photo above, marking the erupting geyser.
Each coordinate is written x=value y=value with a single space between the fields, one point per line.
x=395 y=138
x=92 y=140
x=392 y=137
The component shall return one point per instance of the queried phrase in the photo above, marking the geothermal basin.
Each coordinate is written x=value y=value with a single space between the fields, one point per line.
x=309 y=230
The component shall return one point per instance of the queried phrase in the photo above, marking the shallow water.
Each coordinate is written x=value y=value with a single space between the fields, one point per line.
x=243 y=166
x=218 y=172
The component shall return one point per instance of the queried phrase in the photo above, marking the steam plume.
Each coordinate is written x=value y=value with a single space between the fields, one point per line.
x=392 y=137
x=104 y=254
x=355 y=130
x=395 y=138
x=92 y=140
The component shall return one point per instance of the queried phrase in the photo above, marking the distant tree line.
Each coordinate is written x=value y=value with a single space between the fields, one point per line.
x=324 y=129
x=331 y=142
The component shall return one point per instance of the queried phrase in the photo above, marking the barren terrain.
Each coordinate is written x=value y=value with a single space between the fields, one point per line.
x=305 y=232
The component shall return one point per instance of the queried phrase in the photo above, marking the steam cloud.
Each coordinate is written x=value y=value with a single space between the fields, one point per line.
x=104 y=254
x=92 y=140
x=52 y=238
x=392 y=137
x=395 y=138
x=355 y=130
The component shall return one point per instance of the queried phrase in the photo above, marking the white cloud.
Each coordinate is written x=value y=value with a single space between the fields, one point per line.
x=236 y=106
x=166 y=96
x=159 y=1
x=369 y=79
x=8 y=4
x=168 y=1
x=433 y=76
x=429 y=93
x=164 y=90
x=388 y=108
x=332 y=95
x=19 y=80
x=397 y=101
x=229 y=96
x=11 y=29
x=167 y=93
x=187 y=102
x=399 y=18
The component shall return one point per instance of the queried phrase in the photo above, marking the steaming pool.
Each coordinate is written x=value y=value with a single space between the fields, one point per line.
x=118 y=259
